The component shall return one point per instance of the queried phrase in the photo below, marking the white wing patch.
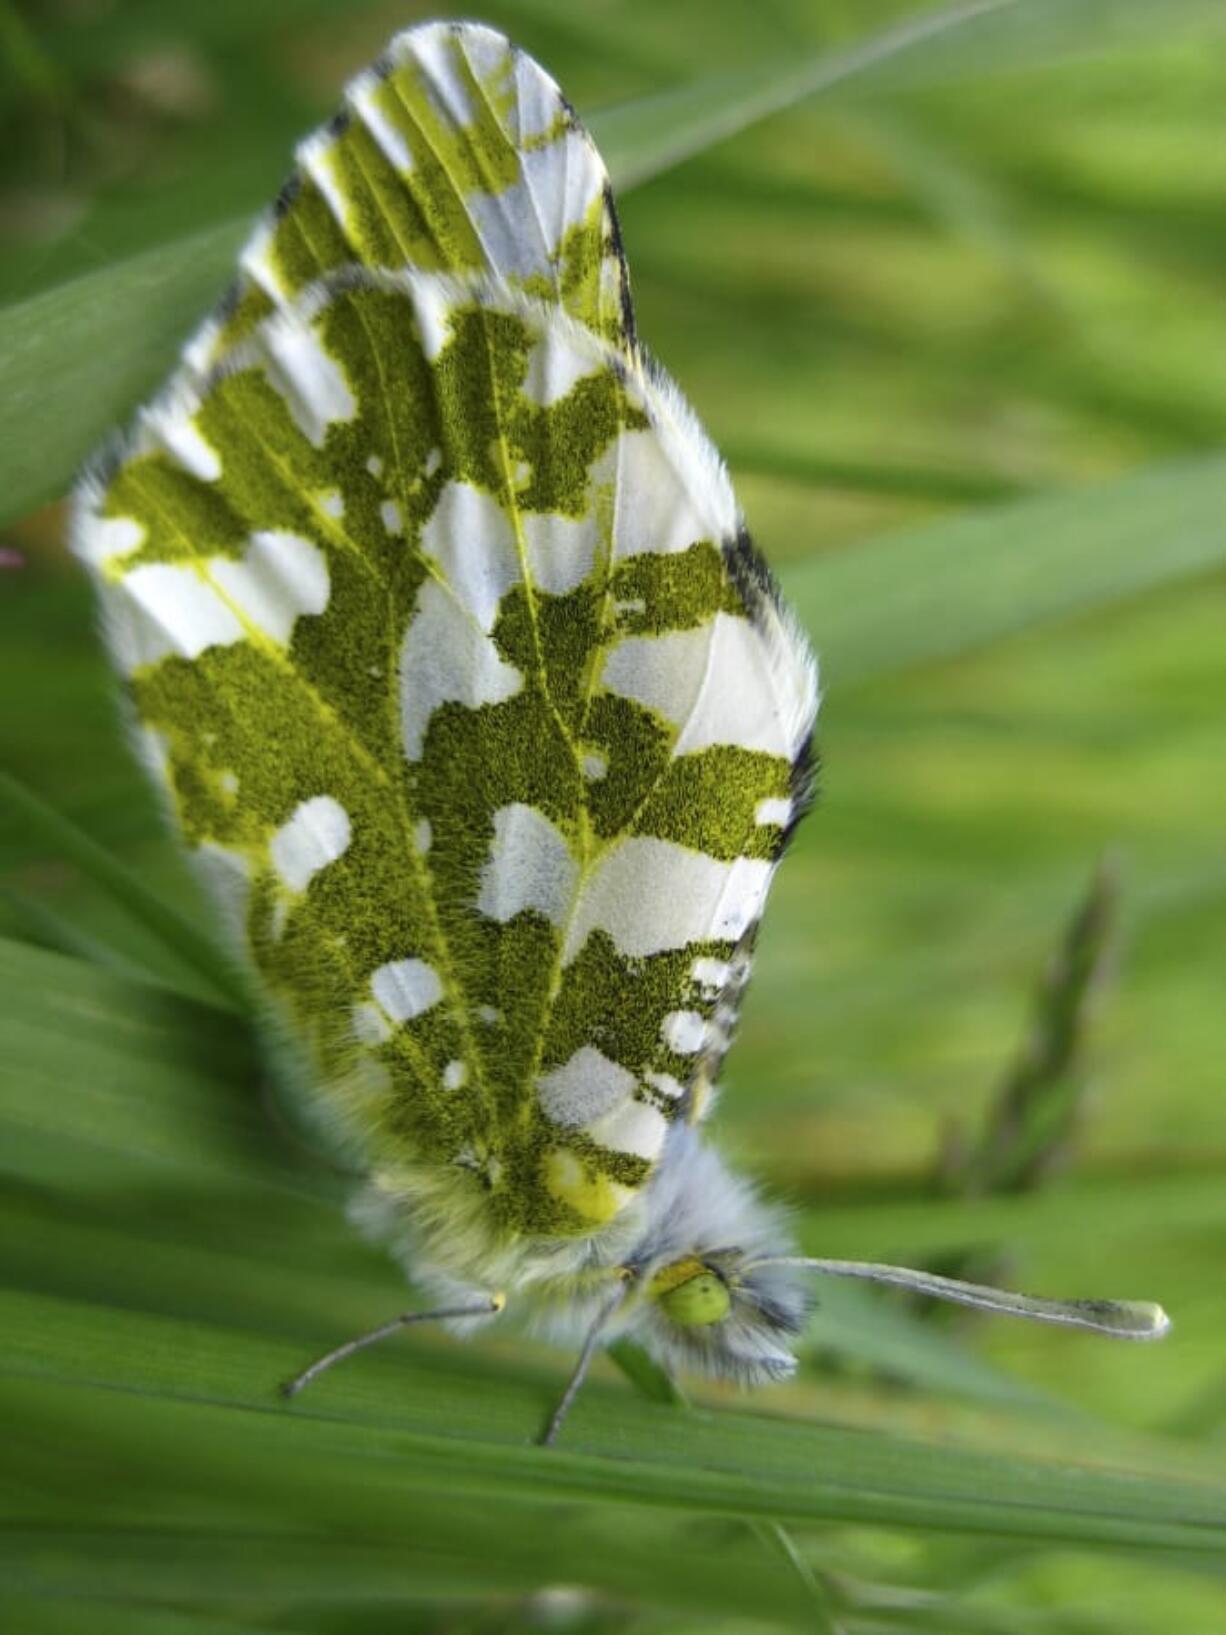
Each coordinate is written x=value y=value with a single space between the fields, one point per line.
x=432 y=310
x=470 y=536
x=772 y=811
x=711 y=976
x=405 y=988
x=674 y=486
x=182 y=439
x=315 y=158
x=312 y=383
x=554 y=371
x=529 y=866
x=592 y=1093
x=560 y=550
x=167 y=609
x=684 y=1032
x=370 y=1024
x=281 y=577
x=666 y=1084
x=521 y=229
x=561 y=183
x=585 y=1088
x=714 y=683
x=650 y=895
x=534 y=108
x=635 y=1128
x=362 y=97
x=430 y=46
x=316 y=834
x=446 y=657
x=738 y=698
x=103 y=542
x=255 y=261
x=173 y=608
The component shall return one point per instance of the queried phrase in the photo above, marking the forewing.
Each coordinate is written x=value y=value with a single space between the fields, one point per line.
x=455 y=153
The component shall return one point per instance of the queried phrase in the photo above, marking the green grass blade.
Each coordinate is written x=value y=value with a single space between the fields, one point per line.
x=646 y=138
x=960 y=583
x=403 y=1427
x=651 y=1381
x=59 y=1614
x=874 y=477
x=32 y=920
x=113 y=1073
x=1039 y=1103
x=781 y=1544
x=69 y=375
x=65 y=840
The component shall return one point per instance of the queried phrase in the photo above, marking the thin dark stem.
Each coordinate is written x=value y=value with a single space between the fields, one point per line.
x=292 y=1387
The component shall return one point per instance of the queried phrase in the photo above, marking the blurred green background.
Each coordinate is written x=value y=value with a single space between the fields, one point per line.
x=956 y=319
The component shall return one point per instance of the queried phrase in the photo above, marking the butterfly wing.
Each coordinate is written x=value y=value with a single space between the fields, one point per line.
x=456 y=153
x=477 y=709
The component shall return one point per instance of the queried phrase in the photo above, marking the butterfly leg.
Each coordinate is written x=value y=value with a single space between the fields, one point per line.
x=489 y=1308
x=575 y=1383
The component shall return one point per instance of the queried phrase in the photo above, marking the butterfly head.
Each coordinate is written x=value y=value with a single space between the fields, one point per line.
x=723 y=1315
x=709 y=1292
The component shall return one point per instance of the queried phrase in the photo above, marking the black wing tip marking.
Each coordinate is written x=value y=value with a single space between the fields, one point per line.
x=756 y=583
x=750 y=571
x=228 y=302
x=803 y=789
x=629 y=329
x=100 y=467
x=288 y=192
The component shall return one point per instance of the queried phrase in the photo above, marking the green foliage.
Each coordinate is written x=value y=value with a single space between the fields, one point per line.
x=982 y=268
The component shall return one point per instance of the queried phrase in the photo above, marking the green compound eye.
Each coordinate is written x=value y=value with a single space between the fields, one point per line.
x=692 y=1294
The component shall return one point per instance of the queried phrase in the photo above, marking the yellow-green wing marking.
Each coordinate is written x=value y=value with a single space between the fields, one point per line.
x=454 y=153
x=475 y=705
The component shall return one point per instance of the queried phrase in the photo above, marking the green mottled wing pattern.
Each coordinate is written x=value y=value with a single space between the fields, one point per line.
x=475 y=707
x=455 y=152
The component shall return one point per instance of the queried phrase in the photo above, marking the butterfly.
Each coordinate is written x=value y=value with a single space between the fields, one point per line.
x=482 y=718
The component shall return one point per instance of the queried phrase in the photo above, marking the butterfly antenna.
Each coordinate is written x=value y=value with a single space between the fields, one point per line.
x=574 y=1384
x=1125 y=1319
x=488 y=1308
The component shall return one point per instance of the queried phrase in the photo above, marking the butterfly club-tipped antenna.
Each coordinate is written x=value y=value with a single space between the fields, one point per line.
x=488 y=1308
x=1120 y=1319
